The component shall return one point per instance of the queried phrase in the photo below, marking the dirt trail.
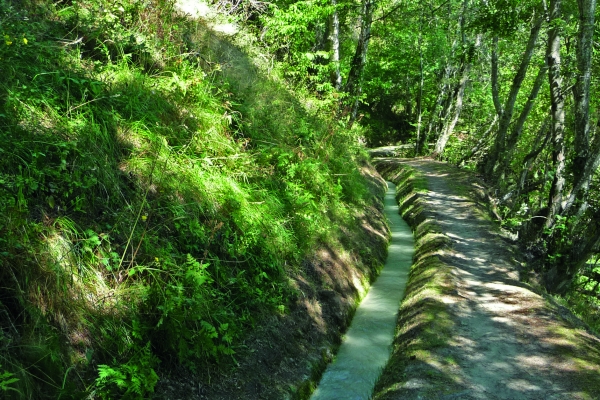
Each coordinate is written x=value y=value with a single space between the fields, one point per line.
x=507 y=342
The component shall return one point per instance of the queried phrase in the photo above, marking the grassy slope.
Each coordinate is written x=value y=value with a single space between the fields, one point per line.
x=168 y=207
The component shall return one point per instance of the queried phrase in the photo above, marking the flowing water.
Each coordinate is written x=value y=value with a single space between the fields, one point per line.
x=367 y=344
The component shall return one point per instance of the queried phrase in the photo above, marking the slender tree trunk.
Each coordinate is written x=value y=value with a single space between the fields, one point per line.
x=420 y=93
x=354 y=81
x=535 y=90
x=543 y=136
x=334 y=37
x=500 y=145
x=483 y=141
x=495 y=90
x=582 y=185
x=558 y=112
x=419 y=100
x=447 y=93
x=438 y=110
x=458 y=103
x=584 y=163
x=517 y=129
x=587 y=9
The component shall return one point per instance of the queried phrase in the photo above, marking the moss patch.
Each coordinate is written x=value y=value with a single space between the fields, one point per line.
x=424 y=321
x=467 y=325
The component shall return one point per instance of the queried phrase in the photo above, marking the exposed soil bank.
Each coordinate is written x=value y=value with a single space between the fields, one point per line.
x=468 y=327
x=366 y=346
x=286 y=355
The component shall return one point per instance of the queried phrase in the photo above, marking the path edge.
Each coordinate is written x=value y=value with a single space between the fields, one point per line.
x=417 y=366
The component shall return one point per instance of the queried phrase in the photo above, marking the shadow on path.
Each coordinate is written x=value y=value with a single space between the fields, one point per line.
x=488 y=336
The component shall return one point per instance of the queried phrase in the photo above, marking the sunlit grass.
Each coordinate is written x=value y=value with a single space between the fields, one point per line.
x=154 y=204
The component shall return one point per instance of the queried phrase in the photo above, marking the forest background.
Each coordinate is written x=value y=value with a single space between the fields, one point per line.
x=157 y=208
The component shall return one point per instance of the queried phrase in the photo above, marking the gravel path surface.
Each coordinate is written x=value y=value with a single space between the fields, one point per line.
x=507 y=342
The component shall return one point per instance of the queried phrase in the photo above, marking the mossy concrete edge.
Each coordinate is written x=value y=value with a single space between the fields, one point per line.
x=425 y=323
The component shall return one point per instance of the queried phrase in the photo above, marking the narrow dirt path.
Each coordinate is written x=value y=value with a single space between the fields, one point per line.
x=506 y=341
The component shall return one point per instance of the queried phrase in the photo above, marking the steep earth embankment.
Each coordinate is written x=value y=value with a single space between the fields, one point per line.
x=285 y=356
x=366 y=345
x=469 y=328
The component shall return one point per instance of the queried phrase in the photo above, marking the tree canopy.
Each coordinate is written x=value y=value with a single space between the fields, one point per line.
x=503 y=87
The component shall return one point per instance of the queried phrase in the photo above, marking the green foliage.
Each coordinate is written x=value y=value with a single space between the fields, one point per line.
x=134 y=379
x=297 y=33
x=152 y=209
x=502 y=17
x=176 y=309
x=6 y=380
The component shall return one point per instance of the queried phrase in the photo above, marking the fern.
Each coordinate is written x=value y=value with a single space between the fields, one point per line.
x=133 y=380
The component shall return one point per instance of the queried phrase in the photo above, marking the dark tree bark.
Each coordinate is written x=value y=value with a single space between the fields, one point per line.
x=585 y=162
x=575 y=252
x=543 y=136
x=517 y=129
x=495 y=89
x=498 y=151
x=354 y=82
x=587 y=11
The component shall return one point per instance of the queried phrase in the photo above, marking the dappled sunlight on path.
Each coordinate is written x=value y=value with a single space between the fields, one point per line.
x=505 y=341
x=504 y=345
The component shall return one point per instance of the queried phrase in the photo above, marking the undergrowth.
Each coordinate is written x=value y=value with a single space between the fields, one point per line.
x=143 y=219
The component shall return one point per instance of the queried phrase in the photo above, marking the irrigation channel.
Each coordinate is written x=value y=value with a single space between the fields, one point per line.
x=366 y=346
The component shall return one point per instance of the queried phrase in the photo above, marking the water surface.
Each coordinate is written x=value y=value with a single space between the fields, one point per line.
x=366 y=346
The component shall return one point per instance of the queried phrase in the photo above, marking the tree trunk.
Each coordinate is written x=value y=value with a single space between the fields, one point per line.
x=458 y=103
x=481 y=143
x=543 y=136
x=558 y=112
x=587 y=9
x=354 y=81
x=439 y=109
x=582 y=185
x=497 y=152
x=586 y=161
x=495 y=90
x=419 y=99
x=420 y=93
x=334 y=37
x=517 y=129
